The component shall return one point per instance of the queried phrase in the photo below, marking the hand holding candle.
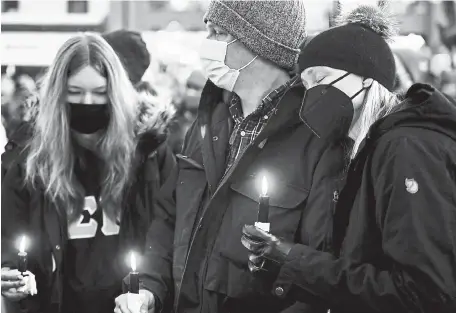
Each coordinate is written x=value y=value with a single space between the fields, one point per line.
x=263 y=207
x=29 y=279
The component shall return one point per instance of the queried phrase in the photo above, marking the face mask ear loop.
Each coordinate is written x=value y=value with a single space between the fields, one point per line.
x=361 y=90
x=229 y=43
x=247 y=64
x=296 y=81
x=338 y=79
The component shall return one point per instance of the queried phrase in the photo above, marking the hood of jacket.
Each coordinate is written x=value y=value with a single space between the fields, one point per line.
x=154 y=117
x=423 y=107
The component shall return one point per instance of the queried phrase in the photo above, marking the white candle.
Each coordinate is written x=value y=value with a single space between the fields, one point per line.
x=22 y=263
x=263 y=207
x=134 y=275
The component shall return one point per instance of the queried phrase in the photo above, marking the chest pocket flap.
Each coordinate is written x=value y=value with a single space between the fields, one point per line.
x=281 y=194
x=285 y=204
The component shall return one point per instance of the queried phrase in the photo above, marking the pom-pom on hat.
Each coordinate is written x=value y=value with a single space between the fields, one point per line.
x=132 y=52
x=359 y=45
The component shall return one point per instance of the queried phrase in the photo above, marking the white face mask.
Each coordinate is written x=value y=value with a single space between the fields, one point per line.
x=212 y=54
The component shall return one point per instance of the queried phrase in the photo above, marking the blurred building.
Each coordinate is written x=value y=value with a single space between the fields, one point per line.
x=54 y=15
x=157 y=15
x=188 y=14
x=33 y=30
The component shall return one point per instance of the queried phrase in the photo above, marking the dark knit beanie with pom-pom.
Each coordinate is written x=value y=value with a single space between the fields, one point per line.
x=132 y=52
x=359 y=46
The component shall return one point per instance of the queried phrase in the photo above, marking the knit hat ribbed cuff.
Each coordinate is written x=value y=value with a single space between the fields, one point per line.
x=223 y=16
x=342 y=64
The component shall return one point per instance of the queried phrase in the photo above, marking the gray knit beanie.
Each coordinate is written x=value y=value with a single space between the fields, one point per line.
x=272 y=29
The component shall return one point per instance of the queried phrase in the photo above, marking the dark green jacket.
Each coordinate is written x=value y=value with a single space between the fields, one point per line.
x=194 y=254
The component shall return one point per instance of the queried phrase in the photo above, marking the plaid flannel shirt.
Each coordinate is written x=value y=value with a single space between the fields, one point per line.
x=247 y=129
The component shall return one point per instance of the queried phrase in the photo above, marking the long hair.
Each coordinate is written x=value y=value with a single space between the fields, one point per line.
x=52 y=154
x=378 y=102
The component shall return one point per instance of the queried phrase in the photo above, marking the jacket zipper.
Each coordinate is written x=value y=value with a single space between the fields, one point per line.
x=335 y=198
x=192 y=240
x=222 y=182
x=230 y=170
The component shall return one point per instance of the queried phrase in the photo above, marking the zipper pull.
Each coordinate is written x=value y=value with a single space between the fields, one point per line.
x=335 y=196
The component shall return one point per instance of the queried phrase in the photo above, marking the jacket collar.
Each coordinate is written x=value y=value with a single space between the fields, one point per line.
x=212 y=97
x=214 y=121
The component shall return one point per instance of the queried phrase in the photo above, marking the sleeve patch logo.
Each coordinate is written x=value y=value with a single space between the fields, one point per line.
x=411 y=185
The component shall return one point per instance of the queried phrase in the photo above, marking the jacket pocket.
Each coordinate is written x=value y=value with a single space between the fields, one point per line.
x=285 y=204
x=227 y=270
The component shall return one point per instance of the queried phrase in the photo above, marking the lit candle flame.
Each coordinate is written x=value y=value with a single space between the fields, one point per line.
x=22 y=244
x=264 y=186
x=133 y=262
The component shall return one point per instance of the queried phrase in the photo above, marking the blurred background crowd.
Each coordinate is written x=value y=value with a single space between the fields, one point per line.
x=425 y=50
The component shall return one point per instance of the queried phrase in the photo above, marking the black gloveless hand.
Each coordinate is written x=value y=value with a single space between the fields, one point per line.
x=267 y=252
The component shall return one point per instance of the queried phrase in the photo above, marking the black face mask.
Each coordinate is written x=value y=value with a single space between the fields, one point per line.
x=88 y=118
x=328 y=111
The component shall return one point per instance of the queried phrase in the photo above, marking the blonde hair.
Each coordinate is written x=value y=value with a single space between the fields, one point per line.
x=378 y=102
x=52 y=157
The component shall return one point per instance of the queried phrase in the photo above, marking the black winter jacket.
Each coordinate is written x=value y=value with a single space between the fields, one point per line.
x=27 y=211
x=395 y=223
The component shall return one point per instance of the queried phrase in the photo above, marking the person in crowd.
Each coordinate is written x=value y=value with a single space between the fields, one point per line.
x=10 y=112
x=247 y=128
x=394 y=244
x=131 y=50
x=83 y=186
x=26 y=86
x=3 y=138
x=14 y=94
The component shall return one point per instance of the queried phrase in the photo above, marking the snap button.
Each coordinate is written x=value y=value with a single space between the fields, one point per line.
x=265 y=117
x=215 y=138
x=279 y=291
x=242 y=133
x=57 y=247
